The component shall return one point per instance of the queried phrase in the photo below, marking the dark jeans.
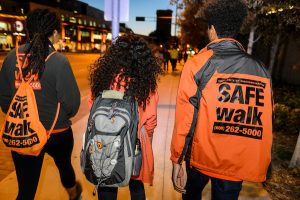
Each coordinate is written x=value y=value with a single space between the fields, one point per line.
x=221 y=189
x=173 y=63
x=136 y=187
x=166 y=62
x=28 y=168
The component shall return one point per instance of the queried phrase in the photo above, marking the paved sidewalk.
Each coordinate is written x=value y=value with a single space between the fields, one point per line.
x=50 y=187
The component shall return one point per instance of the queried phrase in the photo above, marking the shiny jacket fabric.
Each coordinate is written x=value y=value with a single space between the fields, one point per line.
x=223 y=123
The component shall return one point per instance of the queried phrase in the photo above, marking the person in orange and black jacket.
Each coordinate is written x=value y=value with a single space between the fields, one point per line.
x=223 y=123
x=53 y=82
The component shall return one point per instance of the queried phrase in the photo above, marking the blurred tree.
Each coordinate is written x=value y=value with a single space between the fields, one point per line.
x=254 y=8
x=273 y=21
x=193 y=26
x=159 y=37
x=269 y=20
x=295 y=161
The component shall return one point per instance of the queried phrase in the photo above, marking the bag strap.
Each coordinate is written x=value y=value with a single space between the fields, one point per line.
x=31 y=78
x=55 y=119
x=19 y=64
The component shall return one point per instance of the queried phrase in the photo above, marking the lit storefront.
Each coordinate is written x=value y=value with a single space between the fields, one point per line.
x=10 y=27
x=83 y=34
x=82 y=27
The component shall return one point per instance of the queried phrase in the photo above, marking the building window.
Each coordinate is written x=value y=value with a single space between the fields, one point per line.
x=91 y=23
x=84 y=22
x=62 y=18
x=79 y=21
x=85 y=34
x=3 y=26
x=72 y=20
x=22 y=10
x=0 y=7
x=94 y=23
x=97 y=36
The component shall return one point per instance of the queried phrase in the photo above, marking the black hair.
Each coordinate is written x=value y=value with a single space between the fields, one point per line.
x=131 y=60
x=40 y=25
x=227 y=16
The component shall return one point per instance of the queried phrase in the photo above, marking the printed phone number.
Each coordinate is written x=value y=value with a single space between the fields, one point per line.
x=20 y=142
x=238 y=129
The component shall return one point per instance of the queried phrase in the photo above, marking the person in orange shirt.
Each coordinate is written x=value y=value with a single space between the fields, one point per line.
x=130 y=66
x=223 y=123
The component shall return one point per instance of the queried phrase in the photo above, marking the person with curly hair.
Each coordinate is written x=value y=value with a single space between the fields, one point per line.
x=53 y=81
x=223 y=122
x=129 y=66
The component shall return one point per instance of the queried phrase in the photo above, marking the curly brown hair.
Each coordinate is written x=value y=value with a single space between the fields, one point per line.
x=131 y=59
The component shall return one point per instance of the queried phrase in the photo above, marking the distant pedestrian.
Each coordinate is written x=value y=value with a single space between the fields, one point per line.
x=174 y=57
x=53 y=82
x=158 y=54
x=223 y=122
x=129 y=66
x=185 y=56
x=167 y=57
x=179 y=56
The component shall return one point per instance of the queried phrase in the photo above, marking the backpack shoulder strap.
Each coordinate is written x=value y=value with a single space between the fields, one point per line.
x=53 y=52
x=55 y=119
x=58 y=105
x=19 y=66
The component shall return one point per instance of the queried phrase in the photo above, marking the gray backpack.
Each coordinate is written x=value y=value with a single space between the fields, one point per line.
x=110 y=142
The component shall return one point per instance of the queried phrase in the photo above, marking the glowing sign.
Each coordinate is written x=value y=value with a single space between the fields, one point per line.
x=19 y=26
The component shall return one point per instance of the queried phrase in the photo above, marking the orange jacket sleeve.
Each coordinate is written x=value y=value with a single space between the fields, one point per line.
x=151 y=114
x=184 y=110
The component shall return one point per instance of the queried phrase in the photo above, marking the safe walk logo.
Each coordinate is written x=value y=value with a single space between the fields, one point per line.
x=18 y=132
x=35 y=83
x=240 y=111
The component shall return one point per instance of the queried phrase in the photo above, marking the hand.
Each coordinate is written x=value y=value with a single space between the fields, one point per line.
x=178 y=178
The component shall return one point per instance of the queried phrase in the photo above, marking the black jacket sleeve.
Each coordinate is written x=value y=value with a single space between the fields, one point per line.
x=67 y=90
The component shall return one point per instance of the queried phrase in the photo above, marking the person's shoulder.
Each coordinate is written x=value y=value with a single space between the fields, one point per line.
x=256 y=65
x=200 y=59
x=58 y=62
x=59 y=57
x=9 y=59
x=12 y=53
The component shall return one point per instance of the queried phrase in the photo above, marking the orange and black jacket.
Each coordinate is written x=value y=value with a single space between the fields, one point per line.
x=223 y=124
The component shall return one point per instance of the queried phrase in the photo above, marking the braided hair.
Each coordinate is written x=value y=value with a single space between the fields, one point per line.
x=131 y=60
x=40 y=25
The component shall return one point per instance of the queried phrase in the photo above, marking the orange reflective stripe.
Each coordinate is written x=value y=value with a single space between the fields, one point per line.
x=57 y=131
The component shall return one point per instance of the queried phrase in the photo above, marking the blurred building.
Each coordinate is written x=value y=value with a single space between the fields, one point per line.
x=11 y=23
x=82 y=28
x=163 y=25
